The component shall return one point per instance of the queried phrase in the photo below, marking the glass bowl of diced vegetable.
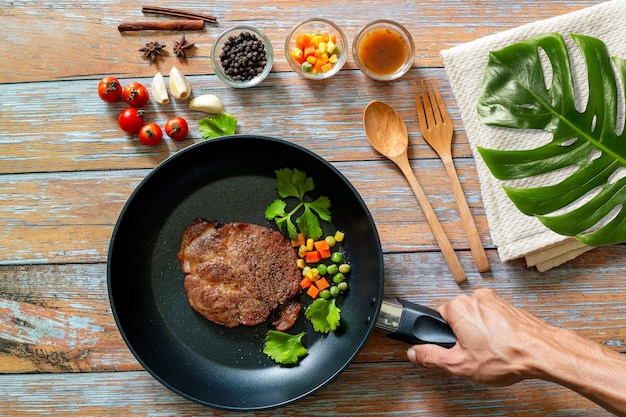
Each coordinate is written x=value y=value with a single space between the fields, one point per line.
x=316 y=49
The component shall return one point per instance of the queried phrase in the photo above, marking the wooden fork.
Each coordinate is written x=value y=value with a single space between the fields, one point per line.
x=437 y=130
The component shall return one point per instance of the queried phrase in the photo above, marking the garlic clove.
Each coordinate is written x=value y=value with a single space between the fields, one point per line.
x=159 y=90
x=179 y=86
x=207 y=103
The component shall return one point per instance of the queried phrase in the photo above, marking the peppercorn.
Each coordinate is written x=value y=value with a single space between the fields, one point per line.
x=243 y=56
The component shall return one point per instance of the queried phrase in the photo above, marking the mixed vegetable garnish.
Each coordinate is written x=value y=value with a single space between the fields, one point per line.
x=324 y=271
x=316 y=52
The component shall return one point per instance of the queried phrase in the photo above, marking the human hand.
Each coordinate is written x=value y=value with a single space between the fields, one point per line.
x=496 y=341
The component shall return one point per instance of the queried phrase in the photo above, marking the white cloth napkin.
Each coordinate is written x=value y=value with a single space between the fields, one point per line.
x=515 y=234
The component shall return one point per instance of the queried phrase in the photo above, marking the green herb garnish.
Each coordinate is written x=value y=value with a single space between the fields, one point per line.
x=324 y=315
x=284 y=348
x=217 y=125
x=295 y=183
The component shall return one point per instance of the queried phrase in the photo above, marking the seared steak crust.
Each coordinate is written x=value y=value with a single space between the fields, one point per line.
x=238 y=273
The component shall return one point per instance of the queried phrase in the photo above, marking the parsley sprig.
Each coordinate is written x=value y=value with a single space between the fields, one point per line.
x=324 y=314
x=283 y=347
x=295 y=183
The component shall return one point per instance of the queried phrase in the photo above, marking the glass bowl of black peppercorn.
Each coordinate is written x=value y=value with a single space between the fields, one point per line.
x=242 y=56
x=316 y=49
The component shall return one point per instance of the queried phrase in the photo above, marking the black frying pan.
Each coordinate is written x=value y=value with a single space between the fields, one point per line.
x=232 y=179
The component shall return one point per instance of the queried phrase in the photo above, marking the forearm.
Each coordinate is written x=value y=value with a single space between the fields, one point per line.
x=584 y=366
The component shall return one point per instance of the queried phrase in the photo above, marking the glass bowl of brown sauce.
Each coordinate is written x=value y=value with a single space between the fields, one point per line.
x=383 y=50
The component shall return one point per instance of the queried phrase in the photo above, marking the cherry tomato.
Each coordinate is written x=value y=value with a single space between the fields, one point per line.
x=131 y=119
x=135 y=94
x=150 y=134
x=110 y=89
x=177 y=128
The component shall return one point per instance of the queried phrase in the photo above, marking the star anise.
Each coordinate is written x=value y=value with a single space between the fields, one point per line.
x=152 y=49
x=180 y=46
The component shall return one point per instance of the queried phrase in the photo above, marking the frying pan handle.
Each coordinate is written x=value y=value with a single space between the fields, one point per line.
x=420 y=325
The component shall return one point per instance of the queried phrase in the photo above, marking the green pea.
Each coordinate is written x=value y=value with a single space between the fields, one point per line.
x=334 y=291
x=332 y=269
x=343 y=286
x=338 y=277
x=325 y=294
x=336 y=257
x=330 y=240
x=343 y=268
x=321 y=269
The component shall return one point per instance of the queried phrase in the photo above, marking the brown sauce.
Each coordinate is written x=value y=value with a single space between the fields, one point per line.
x=383 y=51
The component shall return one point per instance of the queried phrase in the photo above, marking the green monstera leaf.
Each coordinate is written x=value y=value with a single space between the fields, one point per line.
x=518 y=93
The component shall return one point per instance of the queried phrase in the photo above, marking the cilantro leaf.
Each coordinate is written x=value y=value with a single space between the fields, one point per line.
x=283 y=347
x=217 y=125
x=322 y=208
x=295 y=183
x=324 y=315
x=276 y=211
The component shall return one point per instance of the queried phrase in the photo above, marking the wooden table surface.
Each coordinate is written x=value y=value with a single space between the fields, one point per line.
x=66 y=171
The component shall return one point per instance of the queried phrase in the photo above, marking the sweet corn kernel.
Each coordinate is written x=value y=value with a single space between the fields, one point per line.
x=339 y=236
x=301 y=263
x=313 y=274
x=309 y=244
x=311 y=59
x=297 y=53
x=323 y=47
x=325 y=57
x=302 y=250
x=332 y=48
x=305 y=271
x=333 y=59
x=317 y=39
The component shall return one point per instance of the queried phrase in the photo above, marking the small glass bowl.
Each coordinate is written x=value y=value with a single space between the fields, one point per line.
x=218 y=46
x=314 y=26
x=388 y=27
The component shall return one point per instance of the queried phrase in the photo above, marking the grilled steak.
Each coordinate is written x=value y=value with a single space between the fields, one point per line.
x=238 y=273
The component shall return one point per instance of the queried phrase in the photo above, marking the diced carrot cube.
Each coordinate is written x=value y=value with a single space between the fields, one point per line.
x=309 y=50
x=313 y=291
x=303 y=40
x=312 y=257
x=322 y=284
x=299 y=241
x=325 y=253
x=321 y=244
x=327 y=67
x=305 y=283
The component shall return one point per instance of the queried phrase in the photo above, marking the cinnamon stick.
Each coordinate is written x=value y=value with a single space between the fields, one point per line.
x=162 y=25
x=178 y=13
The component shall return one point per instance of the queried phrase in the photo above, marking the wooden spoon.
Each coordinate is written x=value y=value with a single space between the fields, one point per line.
x=386 y=132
